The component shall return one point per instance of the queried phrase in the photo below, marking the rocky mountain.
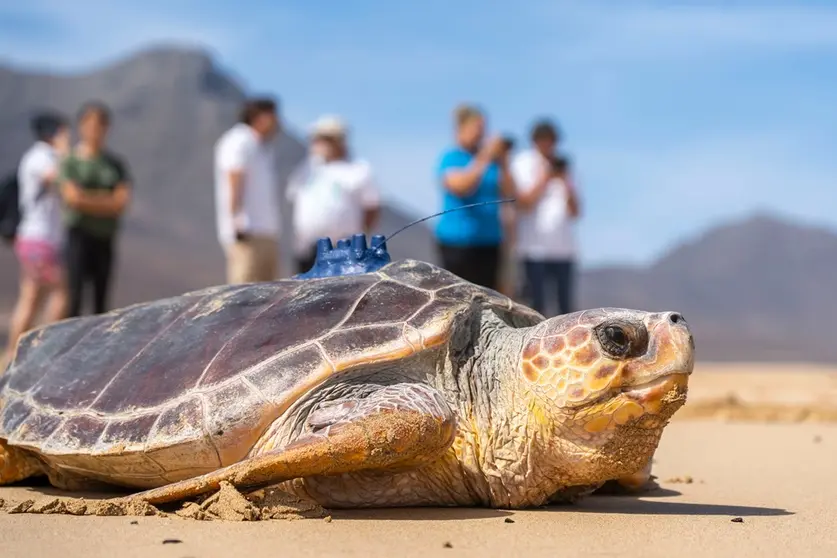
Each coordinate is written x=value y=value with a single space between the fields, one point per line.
x=759 y=289
x=169 y=107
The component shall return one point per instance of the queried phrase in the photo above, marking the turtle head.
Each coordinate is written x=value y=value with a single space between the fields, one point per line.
x=606 y=382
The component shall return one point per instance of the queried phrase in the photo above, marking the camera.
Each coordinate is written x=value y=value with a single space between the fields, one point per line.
x=559 y=164
x=508 y=143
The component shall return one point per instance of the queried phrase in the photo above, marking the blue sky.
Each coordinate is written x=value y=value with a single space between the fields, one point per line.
x=678 y=116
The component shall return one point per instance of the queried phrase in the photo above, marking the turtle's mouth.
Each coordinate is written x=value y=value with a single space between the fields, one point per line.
x=646 y=405
x=657 y=388
x=649 y=393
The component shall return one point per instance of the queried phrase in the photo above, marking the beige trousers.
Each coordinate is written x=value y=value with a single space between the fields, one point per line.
x=253 y=260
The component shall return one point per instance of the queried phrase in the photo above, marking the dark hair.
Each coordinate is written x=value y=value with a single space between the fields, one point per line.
x=256 y=106
x=46 y=124
x=99 y=108
x=545 y=129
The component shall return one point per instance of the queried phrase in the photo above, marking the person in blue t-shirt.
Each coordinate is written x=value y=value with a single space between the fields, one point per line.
x=472 y=171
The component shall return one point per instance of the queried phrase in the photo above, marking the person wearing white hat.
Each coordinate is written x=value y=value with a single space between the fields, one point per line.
x=333 y=194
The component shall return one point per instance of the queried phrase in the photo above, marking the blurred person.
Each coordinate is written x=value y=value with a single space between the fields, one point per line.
x=334 y=194
x=473 y=171
x=547 y=204
x=40 y=232
x=96 y=188
x=246 y=198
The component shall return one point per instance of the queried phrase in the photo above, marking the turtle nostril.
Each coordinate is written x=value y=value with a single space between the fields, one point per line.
x=675 y=318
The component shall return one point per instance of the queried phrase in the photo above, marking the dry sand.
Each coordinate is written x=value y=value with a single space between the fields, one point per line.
x=774 y=479
x=762 y=393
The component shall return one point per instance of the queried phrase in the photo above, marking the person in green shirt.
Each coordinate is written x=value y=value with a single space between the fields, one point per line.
x=96 y=188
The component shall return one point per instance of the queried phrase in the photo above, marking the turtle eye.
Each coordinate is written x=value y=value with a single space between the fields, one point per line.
x=614 y=340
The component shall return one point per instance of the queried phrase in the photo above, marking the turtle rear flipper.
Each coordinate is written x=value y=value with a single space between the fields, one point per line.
x=398 y=426
x=17 y=465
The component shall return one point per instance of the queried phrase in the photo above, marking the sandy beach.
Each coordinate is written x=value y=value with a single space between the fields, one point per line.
x=749 y=486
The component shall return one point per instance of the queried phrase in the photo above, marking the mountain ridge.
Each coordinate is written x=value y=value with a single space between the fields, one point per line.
x=757 y=288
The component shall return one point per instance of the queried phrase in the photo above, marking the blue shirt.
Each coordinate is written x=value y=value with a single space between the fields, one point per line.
x=474 y=226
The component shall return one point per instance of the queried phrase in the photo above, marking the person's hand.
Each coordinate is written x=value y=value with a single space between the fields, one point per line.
x=493 y=149
x=571 y=196
x=504 y=159
x=72 y=194
x=545 y=175
x=240 y=224
x=51 y=176
x=572 y=205
x=546 y=172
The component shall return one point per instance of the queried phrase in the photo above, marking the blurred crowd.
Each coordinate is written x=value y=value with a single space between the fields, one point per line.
x=61 y=210
x=68 y=203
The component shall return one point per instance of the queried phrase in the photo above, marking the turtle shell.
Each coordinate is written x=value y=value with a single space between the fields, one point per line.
x=166 y=390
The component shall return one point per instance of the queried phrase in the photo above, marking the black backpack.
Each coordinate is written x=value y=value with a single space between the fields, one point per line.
x=10 y=214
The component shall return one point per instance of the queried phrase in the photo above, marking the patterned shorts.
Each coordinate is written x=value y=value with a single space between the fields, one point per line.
x=39 y=261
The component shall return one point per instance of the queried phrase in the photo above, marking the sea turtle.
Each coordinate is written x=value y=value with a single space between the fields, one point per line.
x=399 y=387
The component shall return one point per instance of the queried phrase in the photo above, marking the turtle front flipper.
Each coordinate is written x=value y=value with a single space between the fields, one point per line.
x=398 y=426
x=16 y=465
x=639 y=481
x=636 y=483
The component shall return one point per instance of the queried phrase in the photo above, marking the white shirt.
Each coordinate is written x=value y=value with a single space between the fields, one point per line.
x=330 y=199
x=41 y=209
x=545 y=232
x=240 y=149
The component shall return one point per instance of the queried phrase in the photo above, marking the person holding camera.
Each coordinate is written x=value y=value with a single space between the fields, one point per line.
x=547 y=206
x=473 y=171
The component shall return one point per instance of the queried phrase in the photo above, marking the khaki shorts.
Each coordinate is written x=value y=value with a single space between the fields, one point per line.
x=253 y=260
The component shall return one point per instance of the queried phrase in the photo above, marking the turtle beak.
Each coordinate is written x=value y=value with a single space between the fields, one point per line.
x=671 y=350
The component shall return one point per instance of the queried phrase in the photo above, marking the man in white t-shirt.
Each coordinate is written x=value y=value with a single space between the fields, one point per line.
x=246 y=199
x=548 y=205
x=39 y=236
x=334 y=195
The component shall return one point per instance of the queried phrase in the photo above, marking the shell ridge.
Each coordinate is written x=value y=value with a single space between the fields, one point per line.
x=395 y=280
x=423 y=306
x=100 y=319
x=237 y=333
x=450 y=286
x=44 y=443
x=205 y=429
x=362 y=326
x=252 y=387
x=148 y=456
x=150 y=436
x=141 y=351
x=325 y=356
x=294 y=348
x=353 y=307
x=413 y=315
